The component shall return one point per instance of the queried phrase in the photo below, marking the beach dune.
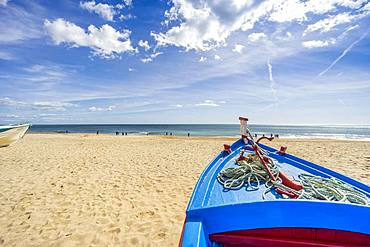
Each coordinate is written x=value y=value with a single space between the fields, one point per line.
x=88 y=190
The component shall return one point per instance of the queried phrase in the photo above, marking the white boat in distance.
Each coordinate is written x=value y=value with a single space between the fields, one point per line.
x=10 y=134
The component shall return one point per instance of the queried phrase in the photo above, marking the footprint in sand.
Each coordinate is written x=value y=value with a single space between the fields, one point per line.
x=115 y=230
x=146 y=214
x=134 y=241
x=161 y=235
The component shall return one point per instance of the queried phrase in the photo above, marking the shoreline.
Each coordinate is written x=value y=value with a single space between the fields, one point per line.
x=365 y=139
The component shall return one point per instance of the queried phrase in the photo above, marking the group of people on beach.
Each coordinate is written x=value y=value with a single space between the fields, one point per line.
x=271 y=135
x=117 y=133
x=171 y=134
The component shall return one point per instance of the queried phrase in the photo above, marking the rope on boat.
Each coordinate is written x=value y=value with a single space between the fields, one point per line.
x=251 y=173
x=248 y=172
x=330 y=189
x=259 y=168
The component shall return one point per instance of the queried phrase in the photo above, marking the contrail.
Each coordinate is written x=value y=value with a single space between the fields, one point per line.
x=272 y=81
x=343 y=54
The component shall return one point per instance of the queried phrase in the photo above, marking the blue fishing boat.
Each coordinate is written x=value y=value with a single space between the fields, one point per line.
x=254 y=195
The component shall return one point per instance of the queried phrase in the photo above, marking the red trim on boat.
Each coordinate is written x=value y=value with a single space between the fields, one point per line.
x=291 y=237
x=282 y=150
x=182 y=233
x=227 y=148
x=289 y=182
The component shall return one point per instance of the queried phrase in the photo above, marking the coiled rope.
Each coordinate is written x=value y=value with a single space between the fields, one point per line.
x=251 y=173
x=330 y=189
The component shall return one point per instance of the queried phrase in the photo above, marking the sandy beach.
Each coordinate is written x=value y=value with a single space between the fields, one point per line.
x=88 y=190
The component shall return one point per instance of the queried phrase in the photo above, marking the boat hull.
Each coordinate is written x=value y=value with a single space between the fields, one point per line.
x=12 y=133
x=213 y=212
x=292 y=237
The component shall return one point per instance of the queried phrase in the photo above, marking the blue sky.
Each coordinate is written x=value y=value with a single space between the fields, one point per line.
x=185 y=61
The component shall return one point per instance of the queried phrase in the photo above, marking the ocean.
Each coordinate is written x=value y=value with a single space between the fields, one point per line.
x=286 y=131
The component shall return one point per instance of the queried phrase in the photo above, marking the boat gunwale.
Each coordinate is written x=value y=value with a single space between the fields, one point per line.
x=235 y=146
x=8 y=127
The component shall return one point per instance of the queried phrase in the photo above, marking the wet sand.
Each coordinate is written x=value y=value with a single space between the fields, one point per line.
x=88 y=190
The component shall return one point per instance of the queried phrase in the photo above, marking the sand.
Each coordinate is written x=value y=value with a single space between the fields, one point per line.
x=88 y=190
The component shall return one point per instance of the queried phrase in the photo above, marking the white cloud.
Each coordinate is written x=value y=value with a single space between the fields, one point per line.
x=367 y=7
x=4 y=2
x=238 y=48
x=45 y=73
x=51 y=70
x=206 y=24
x=349 y=29
x=144 y=44
x=6 y=56
x=287 y=11
x=324 y=6
x=11 y=116
x=105 y=42
x=202 y=59
x=170 y=15
x=353 y=4
x=39 y=105
x=131 y=69
x=295 y=10
x=47 y=105
x=18 y=24
x=128 y=2
x=109 y=108
x=146 y=60
x=328 y=24
x=318 y=43
x=106 y=11
x=208 y=103
x=126 y=17
x=254 y=37
x=151 y=57
x=14 y=103
x=35 y=68
x=217 y=57
x=46 y=115
x=325 y=43
x=9 y=102
x=156 y=54
x=179 y=106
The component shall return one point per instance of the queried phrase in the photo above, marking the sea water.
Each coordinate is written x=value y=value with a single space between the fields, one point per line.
x=286 y=131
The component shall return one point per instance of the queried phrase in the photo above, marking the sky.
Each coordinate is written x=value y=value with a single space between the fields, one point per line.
x=185 y=61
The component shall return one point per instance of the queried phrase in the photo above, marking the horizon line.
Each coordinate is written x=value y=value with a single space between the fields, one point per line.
x=317 y=125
